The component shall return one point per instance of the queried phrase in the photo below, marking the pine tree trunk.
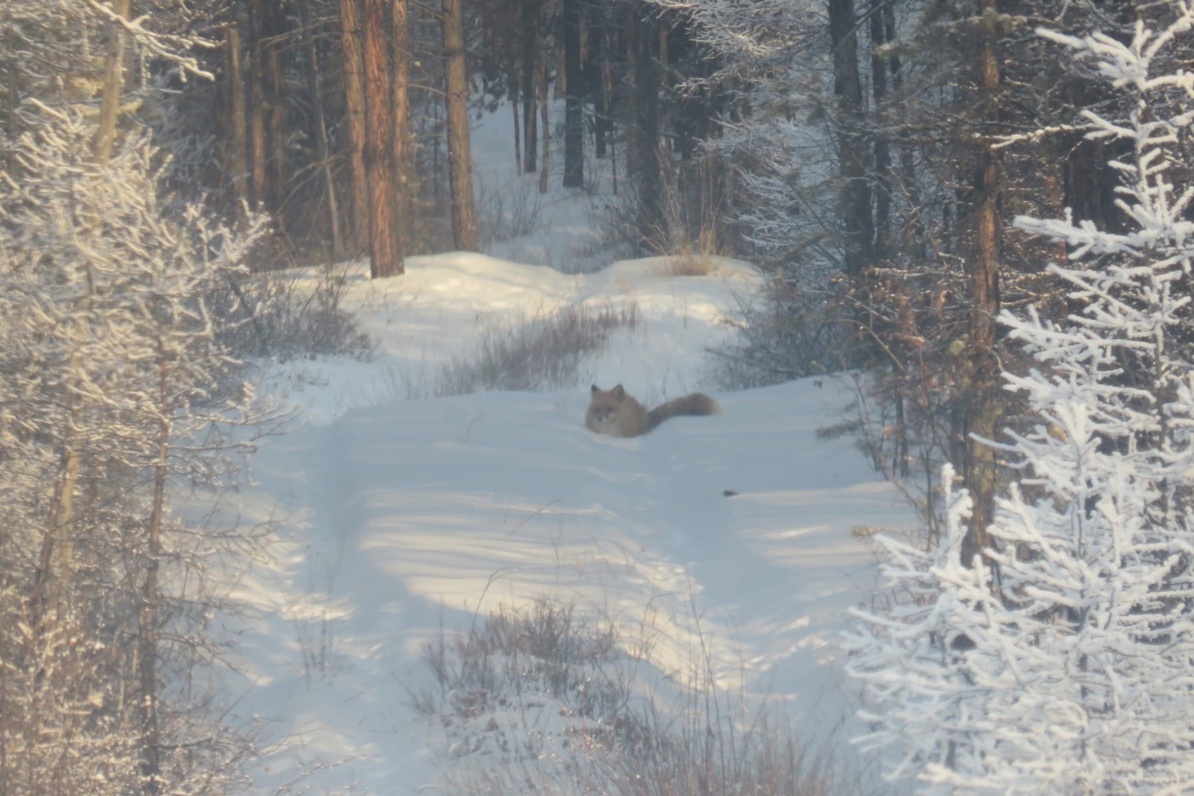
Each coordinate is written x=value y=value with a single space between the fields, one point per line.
x=105 y=134
x=460 y=159
x=574 y=154
x=354 y=101
x=403 y=147
x=983 y=398
x=379 y=142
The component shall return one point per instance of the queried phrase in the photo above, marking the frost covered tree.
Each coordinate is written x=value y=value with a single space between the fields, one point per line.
x=115 y=386
x=1059 y=660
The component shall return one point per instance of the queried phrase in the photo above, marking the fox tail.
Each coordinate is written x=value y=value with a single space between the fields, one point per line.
x=695 y=404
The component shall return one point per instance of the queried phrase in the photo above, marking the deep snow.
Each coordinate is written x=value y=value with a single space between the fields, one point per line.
x=401 y=518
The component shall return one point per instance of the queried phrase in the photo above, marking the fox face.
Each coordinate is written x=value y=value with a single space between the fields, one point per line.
x=614 y=412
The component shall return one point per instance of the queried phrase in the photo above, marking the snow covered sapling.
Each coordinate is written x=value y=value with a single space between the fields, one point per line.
x=1064 y=665
x=111 y=389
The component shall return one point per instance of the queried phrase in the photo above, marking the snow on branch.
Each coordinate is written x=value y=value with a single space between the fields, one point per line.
x=160 y=45
x=1064 y=665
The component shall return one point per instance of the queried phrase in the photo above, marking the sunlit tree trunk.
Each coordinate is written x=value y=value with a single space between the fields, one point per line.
x=984 y=381
x=379 y=141
x=460 y=159
x=105 y=134
x=354 y=102
x=403 y=146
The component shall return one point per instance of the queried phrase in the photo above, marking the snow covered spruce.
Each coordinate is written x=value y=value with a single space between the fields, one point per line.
x=1062 y=663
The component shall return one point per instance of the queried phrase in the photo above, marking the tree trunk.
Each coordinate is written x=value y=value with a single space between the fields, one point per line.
x=574 y=141
x=857 y=221
x=530 y=56
x=648 y=182
x=514 y=98
x=403 y=148
x=460 y=159
x=983 y=398
x=354 y=101
x=238 y=156
x=105 y=134
x=322 y=148
x=880 y=35
x=379 y=142
x=603 y=85
x=275 y=94
x=147 y=617
x=544 y=118
x=257 y=103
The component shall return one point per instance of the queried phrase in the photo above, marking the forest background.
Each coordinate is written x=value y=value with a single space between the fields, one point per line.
x=870 y=155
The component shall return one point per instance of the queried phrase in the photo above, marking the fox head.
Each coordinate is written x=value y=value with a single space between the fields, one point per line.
x=605 y=408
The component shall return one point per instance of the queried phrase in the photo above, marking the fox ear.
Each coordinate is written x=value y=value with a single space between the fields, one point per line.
x=595 y=389
x=618 y=392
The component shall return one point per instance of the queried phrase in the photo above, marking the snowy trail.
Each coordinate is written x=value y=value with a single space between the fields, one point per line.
x=716 y=544
x=422 y=513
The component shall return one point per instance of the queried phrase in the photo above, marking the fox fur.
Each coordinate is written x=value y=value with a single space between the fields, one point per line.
x=615 y=413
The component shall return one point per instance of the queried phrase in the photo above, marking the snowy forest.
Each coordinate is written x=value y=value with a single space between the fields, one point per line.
x=976 y=212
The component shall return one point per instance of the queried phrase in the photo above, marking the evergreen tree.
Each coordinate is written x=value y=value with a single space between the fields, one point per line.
x=1062 y=664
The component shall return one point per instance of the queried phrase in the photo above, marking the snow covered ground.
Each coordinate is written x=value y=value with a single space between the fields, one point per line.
x=402 y=518
x=727 y=544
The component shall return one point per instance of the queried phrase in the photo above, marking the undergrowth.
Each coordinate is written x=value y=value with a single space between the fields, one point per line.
x=544 y=700
x=287 y=315
x=782 y=335
x=540 y=353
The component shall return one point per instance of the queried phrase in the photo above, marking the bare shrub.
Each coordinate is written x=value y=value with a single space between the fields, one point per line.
x=282 y=314
x=541 y=353
x=545 y=700
x=785 y=334
x=506 y=214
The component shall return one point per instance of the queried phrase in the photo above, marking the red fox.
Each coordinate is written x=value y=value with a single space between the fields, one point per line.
x=615 y=413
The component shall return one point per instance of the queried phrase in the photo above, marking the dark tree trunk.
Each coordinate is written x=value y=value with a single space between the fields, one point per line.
x=644 y=38
x=275 y=85
x=514 y=99
x=881 y=35
x=354 y=102
x=460 y=159
x=857 y=223
x=603 y=86
x=530 y=58
x=379 y=141
x=574 y=155
x=544 y=121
